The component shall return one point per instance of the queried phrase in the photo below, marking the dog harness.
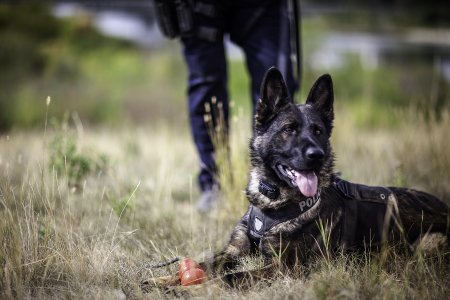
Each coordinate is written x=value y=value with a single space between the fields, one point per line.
x=365 y=214
x=261 y=221
x=362 y=224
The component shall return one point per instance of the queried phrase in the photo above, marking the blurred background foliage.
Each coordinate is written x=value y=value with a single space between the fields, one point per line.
x=102 y=79
x=106 y=80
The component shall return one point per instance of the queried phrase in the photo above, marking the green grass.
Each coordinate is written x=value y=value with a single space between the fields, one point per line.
x=105 y=80
x=92 y=240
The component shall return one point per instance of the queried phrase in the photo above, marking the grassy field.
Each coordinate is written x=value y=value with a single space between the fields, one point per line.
x=101 y=182
x=82 y=211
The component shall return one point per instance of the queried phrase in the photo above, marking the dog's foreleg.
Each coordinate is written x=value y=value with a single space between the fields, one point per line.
x=238 y=246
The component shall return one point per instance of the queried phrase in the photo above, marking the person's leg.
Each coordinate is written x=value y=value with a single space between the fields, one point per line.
x=266 y=44
x=207 y=79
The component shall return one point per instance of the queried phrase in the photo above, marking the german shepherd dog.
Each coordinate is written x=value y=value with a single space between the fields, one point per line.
x=295 y=196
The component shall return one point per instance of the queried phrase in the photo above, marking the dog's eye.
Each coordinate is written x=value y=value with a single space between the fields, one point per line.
x=289 y=130
x=318 y=131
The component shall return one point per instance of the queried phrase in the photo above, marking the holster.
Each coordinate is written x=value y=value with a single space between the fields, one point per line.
x=174 y=18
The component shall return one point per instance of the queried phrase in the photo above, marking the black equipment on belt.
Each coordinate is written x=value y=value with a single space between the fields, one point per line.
x=174 y=18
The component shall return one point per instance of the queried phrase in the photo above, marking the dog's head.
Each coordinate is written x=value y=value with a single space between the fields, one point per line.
x=290 y=146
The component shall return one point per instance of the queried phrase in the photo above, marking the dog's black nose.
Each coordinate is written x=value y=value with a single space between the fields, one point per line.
x=314 y=154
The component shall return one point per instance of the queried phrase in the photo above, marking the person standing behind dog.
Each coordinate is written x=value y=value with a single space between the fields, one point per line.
x=259 y=27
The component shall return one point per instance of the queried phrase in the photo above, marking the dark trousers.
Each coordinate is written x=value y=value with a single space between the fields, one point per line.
x=265 y=43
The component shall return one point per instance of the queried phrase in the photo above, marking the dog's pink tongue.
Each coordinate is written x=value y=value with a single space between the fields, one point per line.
x=306 y=182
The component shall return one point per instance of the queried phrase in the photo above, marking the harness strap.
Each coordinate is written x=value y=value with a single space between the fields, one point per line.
x=261 y=221
x=349 y=224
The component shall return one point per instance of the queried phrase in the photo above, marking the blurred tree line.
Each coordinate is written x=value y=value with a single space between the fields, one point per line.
x=91 y=74
x=412 y=12
x=41 y=55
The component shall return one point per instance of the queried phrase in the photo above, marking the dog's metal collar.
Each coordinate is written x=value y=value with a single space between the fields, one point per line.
x=269 y=190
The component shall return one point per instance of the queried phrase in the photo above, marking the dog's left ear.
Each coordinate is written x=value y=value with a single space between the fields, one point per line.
x=321 y=97
x=274 y=95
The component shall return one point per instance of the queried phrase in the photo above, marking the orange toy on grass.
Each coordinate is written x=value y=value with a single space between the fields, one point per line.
x=190 y=272
x=193 y=276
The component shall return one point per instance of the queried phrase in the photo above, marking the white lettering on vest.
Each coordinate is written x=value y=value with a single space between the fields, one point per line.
x=309 y=202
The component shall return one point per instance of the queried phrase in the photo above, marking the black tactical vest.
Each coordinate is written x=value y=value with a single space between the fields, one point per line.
x=365 y=210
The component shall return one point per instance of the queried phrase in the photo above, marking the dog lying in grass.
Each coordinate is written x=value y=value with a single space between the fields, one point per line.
x=299 y=206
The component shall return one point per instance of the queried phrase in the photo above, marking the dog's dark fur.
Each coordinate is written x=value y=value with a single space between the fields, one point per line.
x=297 y=137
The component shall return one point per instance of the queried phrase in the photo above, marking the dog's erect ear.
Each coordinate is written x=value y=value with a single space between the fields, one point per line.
x=274 y=95
x=321 y=97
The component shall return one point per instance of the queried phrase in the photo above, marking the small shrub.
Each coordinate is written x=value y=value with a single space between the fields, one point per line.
x=66 y=159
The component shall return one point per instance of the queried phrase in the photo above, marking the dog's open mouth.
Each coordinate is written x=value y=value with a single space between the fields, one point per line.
x=305 y=180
